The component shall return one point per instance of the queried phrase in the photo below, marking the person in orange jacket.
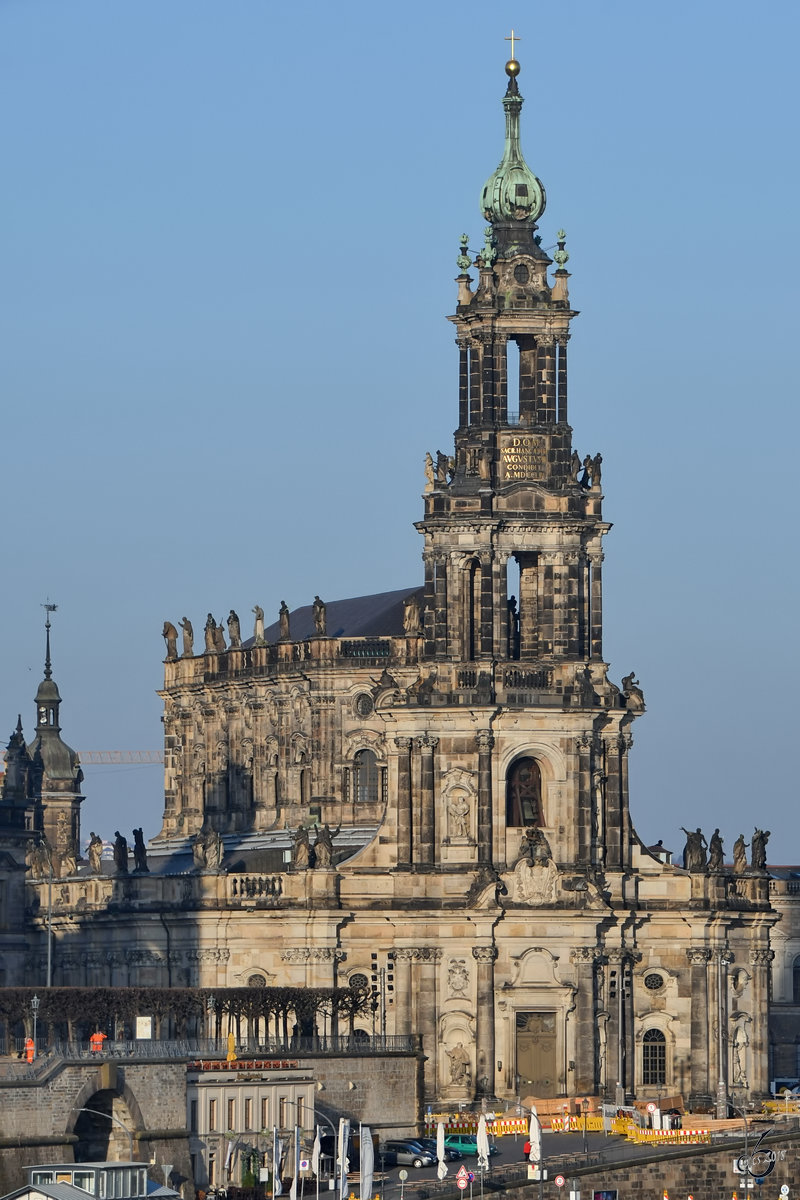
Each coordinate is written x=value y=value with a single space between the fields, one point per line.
x=96 y=1042
x=30 y=1049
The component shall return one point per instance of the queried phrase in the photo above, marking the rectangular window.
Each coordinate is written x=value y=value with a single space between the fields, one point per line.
x=193 y=1116
x=265 y=1112
x=212 y=1115
x=231 y=1114
x=301 y=1111
x=248 y=1114
x=282 y=1107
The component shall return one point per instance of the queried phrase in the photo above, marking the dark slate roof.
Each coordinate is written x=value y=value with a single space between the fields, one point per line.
x=379 y=615
x=56 y=1191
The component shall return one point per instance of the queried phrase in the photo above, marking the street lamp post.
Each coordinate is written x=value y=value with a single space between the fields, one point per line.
x=211 y=1005
x=585 y=1107
x=35 y=1002
x=110 y=1116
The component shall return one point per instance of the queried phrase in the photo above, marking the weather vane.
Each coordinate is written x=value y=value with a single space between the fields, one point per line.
x=49 y=608
x=513 y=39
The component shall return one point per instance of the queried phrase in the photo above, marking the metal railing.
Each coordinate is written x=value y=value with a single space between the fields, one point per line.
x=195 y=1048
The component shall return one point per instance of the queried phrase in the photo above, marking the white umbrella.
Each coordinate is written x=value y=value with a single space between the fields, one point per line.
x=315 y=1153
x=482 y=1144
x=535 y=1138
x=277 y=1155
x=344 y=1165
x=441 y=1170
x=367 y=1161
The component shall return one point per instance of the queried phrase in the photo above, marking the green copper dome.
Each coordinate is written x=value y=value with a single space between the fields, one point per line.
x=513 y=194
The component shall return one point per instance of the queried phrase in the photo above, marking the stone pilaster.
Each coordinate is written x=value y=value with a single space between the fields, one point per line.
x=700 y=1025
x=582 y=1048
x=760 y=961
x=484 y=1020
x=486 y=605
x=562 y=380
x=597 y=607
x=402 y=990
x=463 y=382
x=404 y=827
x=424 y=847
x=485 y=741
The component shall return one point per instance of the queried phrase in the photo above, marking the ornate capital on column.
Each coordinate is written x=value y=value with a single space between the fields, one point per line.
x=484 y=954
x=762 y=958
x=324 y=954
x=403 y=743
x=403 y=955
x=426 y=954
x=698 y=954
x=426 y=742
x=726 y=957
x=485 y=739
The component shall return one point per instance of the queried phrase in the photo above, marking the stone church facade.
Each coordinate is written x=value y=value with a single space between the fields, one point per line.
x=428 y=788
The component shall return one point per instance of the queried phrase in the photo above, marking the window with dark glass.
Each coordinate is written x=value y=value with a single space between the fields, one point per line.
x=524 y=793
x=366 y=778
x=654 y=1057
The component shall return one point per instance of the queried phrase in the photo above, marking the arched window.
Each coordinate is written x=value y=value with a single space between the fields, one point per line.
x=366 y=778
x=654 y=1058
x=524 y=793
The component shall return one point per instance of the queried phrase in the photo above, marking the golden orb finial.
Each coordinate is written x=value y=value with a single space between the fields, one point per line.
x=512 y=68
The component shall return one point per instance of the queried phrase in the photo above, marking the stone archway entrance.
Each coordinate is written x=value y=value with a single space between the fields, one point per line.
x=536 y=1053
x=100 y=1129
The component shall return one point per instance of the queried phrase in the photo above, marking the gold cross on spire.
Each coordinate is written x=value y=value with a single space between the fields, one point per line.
x=512 y=39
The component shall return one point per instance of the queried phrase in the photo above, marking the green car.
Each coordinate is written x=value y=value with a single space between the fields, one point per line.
x=467 y=1143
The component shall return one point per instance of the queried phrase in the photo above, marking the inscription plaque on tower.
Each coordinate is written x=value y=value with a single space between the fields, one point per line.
x=523 y=455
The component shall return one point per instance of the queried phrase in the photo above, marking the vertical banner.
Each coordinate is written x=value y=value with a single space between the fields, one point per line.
x=367 y=1153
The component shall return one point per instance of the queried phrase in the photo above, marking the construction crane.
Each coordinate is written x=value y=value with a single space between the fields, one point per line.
x=124 y=758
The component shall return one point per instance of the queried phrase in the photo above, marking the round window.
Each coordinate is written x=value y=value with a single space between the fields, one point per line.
x=521 y=273
x=364 y=705
x=653 y=982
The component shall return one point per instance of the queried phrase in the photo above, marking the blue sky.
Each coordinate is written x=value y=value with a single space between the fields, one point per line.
x=227 y=251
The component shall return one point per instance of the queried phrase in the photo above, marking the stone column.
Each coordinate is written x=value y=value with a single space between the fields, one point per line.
x=528 y=609
x=463 y=383
x=440 y=594
x=485 y=639
x=547 y=569
x=527 y=376
x=424 y=992
x=700 y=1031
x=562 y=380
x=583 y=833
x=424 y=849
x=404 y=826
x=501 y=607
x=613 y=815
x=485 y=740
x=501 y=379
x=596 y=601
x=430 y=603
x=475 y=412
x=484 y=1020
x=488 y=381
x=402 y=991
x=547 y=380
x=582 y=1049
x=758 y=1065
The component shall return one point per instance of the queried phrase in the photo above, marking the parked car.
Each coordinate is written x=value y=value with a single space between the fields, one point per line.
x=409 y=1152
x=467 y=1143
x=450 y=1152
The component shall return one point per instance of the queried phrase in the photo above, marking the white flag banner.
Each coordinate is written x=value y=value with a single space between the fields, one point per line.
x=315 y=1153
x=277 y=1155
x=367 y=1152
x=344 y=1165
x=295 y=1164
x=535 y=1138
x=229 y=1154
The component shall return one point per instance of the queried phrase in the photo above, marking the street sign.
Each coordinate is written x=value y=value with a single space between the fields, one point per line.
x=402 y=1175
x=461 y=1173
x=559 y=1181
x=462 y=1183
x=784 y=1189
x=651 y=1108
x=471 y=1176
x=304 y=1164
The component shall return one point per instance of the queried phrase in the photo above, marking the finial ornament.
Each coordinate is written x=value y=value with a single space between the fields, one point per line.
x=561 y=256
x=512 y=66
x=463 y=262
x=49 y=608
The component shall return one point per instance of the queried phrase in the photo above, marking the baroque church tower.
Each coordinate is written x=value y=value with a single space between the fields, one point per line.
x=426 y=790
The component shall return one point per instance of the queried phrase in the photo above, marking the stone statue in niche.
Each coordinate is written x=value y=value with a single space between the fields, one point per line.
x=458 y=978
x=459 y=1064
x=188 y=637
x=170 y=636
x=458 y=811
x=739 y=1055
x=535 y=847
x=234 y=630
